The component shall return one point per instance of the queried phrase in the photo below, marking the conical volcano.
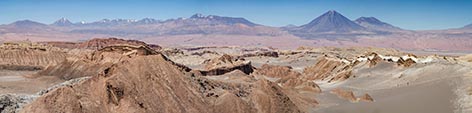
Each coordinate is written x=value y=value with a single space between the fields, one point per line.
x=62 y=22
x=331 y=21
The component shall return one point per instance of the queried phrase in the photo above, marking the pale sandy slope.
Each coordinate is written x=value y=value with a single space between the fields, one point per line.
x=436 y=87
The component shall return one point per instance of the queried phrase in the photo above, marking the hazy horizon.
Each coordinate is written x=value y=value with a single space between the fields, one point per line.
x=414 y=15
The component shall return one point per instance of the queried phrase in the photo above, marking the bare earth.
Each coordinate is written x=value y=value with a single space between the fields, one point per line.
x=135 y=77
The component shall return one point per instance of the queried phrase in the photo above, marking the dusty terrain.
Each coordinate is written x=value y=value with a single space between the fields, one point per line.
x=115 y=75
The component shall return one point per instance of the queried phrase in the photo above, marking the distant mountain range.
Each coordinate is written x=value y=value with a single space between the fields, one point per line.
x=196 y=24
x=468 y=26
x=375 y=24
x=197 y=19
x=27 y=23
x=331 y=26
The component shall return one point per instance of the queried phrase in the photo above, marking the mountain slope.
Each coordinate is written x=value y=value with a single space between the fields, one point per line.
x=375 y=24
x=26 y=24
x=468 y=26
x=62 y=22
x=330 y=24
x=213 y=19
x=331 y=21
x=211 y=24
x=196 y=24
x=148 y=82
x=147 y=21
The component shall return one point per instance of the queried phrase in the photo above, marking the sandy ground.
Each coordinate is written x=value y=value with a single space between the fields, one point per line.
x=15 y=82
x=434 y=97
x=422 y=88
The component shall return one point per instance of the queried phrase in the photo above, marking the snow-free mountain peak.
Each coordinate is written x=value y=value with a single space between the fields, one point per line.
x=331 y=21
x=375 y=24
x=147 y=21
x=26 y=23
x=221 y=19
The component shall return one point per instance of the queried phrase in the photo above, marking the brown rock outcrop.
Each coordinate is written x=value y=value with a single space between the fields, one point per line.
x=117 y=53
x=288 y=78
x=375 y=59
x=141 y=84
x=99 y=60
x=204 y=52
x=406 y=63
x=30 y=55
x=99 y=43
x=344 y=94
x=153 y=83
x=226 y=63
x=263 y=53
x=171 y=51
x=330 y=69
x=349 y=95
x=277 y=71
x=267 y=95
x=367 y=98
x=71 y=69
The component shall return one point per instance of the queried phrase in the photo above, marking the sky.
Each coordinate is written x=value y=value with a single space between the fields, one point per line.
x=407 y=14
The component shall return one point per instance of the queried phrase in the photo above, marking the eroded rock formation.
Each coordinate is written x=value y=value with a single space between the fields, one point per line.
x=98 y=60
x=330 y=69
x=29 y=55
x=344 y=94
x=288 y=78
x=141 y=84
x=99 y=43
x=277 y=71
x=227 y=63
x=349 y=95
x=153 y=83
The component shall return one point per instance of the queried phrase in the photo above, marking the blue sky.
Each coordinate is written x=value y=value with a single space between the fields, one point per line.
x=408 y=14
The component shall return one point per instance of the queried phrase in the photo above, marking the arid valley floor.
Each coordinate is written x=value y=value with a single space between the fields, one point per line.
x=116 y=75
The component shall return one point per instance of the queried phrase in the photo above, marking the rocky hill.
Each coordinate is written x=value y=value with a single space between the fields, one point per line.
x=152 y=83
x=28 y=54
x=99 y=43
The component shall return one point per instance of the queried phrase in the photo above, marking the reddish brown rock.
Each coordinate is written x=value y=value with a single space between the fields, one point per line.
x=277 y=71
x=99 y=43
x=99 y=60
x=375 y=60
x=117 y=53
x=406 y=63
x=262 y=54
x=330 y=69
x=27 y=54
x=153 y=83
x=225 y=64
x=288 y=78
x=367 y=98
x=141 y=84
x=344 y=94
x=268 y=95
x=71 y=69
